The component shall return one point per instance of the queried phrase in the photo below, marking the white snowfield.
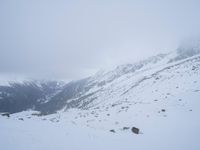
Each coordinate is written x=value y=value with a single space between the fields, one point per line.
x=163 y=102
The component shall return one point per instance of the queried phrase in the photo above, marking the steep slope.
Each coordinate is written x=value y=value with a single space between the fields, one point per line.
x=162 y=102
x=134 y=98
x=159 y=96
x=116 y=83
x=50 y=97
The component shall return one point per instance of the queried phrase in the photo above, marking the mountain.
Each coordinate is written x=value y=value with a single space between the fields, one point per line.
x=158 y=96
x=52 y=96
x=27 y=95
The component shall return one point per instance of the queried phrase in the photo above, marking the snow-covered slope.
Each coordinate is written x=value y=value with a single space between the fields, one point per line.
x=50 y=97
x=159 y=96
x=144 y=95
x=115 y=84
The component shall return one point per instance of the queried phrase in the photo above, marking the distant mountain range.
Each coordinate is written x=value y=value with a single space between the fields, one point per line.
x=52 y=96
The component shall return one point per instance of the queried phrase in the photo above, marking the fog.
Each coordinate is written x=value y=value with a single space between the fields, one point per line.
x=66 y=39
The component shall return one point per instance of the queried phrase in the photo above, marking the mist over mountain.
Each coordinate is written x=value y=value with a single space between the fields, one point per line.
x=52 y=96
x=99 y=75
x=156 y=98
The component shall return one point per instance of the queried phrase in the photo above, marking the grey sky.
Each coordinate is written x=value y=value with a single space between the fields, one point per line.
x=73 y=39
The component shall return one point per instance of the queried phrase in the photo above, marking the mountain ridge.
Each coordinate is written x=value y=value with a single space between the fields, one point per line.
x=52 y=96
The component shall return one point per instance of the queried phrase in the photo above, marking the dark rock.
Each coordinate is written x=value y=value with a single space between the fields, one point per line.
x=21 y=119
x=112 y=130
x=5 y=114
x=163 y=110
x=193 y=68
x=135 y=130
x=126 y=128
x=196 y=90
x=37 y=114
x=113 y=105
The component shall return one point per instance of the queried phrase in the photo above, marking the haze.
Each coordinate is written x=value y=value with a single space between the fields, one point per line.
x=74 y=39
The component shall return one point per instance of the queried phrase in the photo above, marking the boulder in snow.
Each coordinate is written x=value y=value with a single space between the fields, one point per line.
x=135 y=130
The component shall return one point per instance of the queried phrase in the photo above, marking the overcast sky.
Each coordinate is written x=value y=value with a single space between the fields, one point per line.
x=71 y=39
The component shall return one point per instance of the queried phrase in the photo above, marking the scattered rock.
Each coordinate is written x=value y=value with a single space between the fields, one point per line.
x=39 y=114
x=112 y=130
x=21 y=119
x=196 y=90
x=163 y=110
x=5 y=114
x=135 y=130
x=113 y=105
x=126 y=128
x=193 y=67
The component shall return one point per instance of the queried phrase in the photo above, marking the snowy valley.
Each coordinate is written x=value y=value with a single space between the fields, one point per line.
x=159 y=96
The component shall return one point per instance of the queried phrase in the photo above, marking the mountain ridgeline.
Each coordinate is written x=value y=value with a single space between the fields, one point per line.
x=51 y=96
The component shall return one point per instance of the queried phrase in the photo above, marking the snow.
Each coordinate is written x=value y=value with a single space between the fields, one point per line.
x=178 y=131
x=135 y=99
